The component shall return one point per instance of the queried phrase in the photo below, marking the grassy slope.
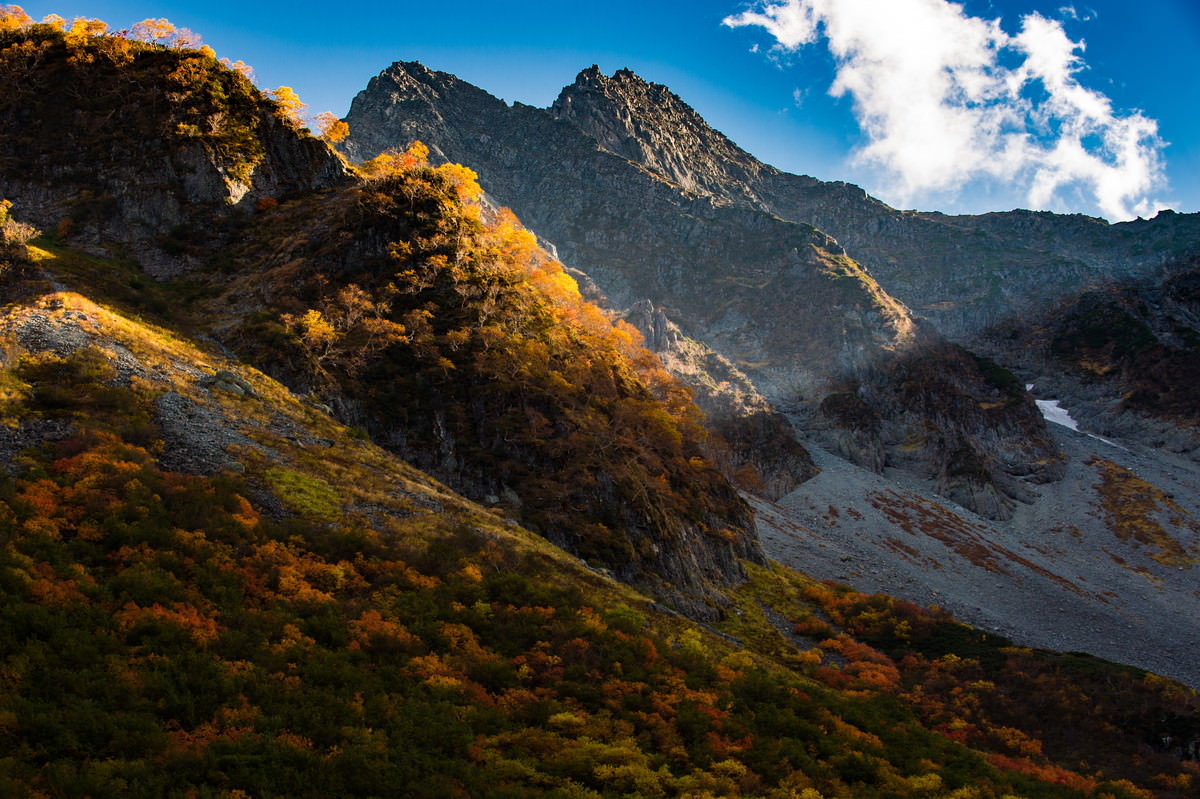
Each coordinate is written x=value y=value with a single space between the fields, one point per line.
x=325 y=620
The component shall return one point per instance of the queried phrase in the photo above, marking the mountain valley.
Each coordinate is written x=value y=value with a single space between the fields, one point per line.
x=1021 y=526
x=321 y=474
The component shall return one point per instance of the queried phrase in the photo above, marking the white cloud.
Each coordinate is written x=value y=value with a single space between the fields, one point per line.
x=946 y=99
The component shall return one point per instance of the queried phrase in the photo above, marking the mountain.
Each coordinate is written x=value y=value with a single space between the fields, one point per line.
x=975 y=277
x=502 y=386
x=1121 y=354
x=216 y=581
x=955 y=492
x=781 y=300
x=211 y=585
x=964 y=273
x=968 y=275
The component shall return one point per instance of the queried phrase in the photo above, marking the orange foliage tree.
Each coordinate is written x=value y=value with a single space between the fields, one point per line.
x=13 y=18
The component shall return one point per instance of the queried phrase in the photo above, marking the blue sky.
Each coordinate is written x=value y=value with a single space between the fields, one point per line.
x=766 y=80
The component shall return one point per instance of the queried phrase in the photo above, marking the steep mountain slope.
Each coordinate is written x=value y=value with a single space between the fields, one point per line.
x=167 y=153
x=781 y=300
x=962 y=272
x=1109 y=549
x=1122 y=356
x=293 y=611
x=754 y=443
x=1116 y=581
x=211 y=587
x=444 y=332
x=902 y=532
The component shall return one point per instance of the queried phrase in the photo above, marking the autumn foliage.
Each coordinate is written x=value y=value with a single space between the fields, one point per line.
x=1069 y=720
x=300 y=627
x=470 y=348
x=160 y=634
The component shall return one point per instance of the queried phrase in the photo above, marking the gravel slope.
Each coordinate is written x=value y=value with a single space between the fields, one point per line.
x=1057 y=576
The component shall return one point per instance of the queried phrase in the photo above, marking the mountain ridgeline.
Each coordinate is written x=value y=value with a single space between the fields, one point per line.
x=634 y=189
x=320 y=479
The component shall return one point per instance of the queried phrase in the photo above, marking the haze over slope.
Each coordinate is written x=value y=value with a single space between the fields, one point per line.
x=638 y=191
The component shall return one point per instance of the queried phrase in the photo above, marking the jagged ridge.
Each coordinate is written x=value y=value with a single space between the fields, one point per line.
x=962 y=272
x=356 y=627
x=780 y=299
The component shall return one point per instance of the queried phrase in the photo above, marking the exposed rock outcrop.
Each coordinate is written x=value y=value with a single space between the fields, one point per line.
x=964 y=273
x=753 y=443
x=1122 y=357
x=635 y=201
x=169 y=150
x=165 y=155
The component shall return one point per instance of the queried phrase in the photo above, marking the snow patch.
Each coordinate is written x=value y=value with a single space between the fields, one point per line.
x=1054 y=412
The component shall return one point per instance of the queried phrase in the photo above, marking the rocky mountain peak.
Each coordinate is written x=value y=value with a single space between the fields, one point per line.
x=653 y=204
x=409 y=91
x=650 y=125
x=408 y=78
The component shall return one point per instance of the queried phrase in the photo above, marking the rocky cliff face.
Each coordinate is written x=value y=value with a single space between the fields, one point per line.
x=649 y=125
x=751 y=441
x=1122 y=356
x=168 y=150
x=964 y=273
x=655 y=218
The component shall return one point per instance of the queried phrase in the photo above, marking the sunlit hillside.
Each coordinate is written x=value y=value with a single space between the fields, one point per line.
x=353 y=494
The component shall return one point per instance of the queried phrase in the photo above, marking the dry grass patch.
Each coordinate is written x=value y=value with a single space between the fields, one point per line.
x=1134 y=510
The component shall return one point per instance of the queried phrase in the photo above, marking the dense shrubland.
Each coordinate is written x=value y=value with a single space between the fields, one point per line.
x=452 y=337
x=162 y=635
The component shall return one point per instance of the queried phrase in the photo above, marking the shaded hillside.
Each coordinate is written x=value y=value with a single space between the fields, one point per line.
x=779 y=299
x=1103 y=561
x=455 y=341
x=447 y=335
x=212 y=587
x=1143 y=339
x=750 y=440
x=1122 y=356
x=116 y=142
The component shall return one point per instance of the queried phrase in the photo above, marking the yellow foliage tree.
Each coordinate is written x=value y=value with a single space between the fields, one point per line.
x=464 y=180
x=346 y=331
x=316 y=335
x=83 y=28
x=330 y=128
x=394 y=162
x=241 y=67
x=291 y=107
x=14 y=18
